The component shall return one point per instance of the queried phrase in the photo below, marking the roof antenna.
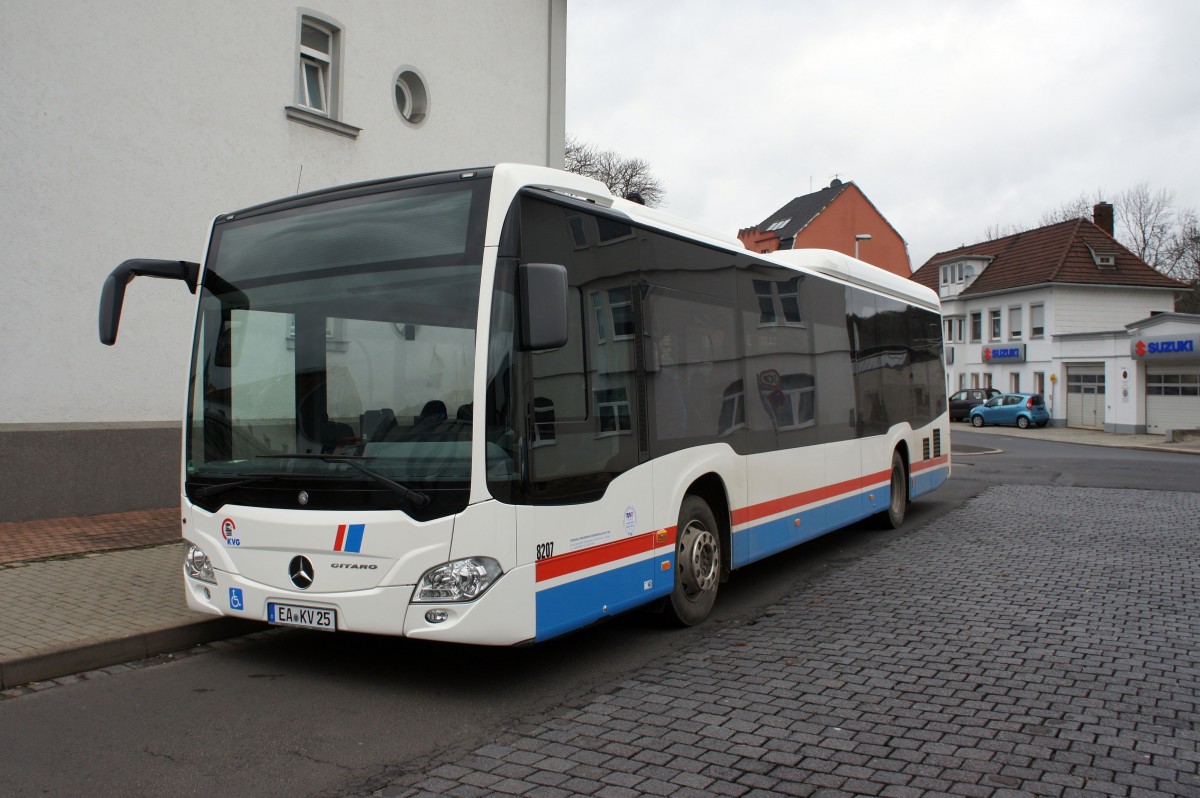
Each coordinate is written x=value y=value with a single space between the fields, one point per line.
x=298 y=178
x=634 y=196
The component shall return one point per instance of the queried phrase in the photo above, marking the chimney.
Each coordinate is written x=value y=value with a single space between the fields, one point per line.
x=1102 y=215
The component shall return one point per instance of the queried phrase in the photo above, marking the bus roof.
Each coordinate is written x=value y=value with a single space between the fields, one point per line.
x=509 y=178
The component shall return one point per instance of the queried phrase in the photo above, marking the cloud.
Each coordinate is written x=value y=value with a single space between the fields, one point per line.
x=950 y=116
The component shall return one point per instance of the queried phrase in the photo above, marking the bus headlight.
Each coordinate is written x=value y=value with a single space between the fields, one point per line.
x=460 y=580
x=197 y=565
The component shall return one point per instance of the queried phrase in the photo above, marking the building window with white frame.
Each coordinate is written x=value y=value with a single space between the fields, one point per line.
x=544 y=432
x=620 y=305
x=994 y=322
x=733 y=409
x=778 y=302
x=1039 y=382
x=613 y=411
x=318 y=76
x=976 y=328
x=1037 y=321
x=598 y=311
x=1014 y=382
x=793 y=405
x=316 y=65
x=1014 y=323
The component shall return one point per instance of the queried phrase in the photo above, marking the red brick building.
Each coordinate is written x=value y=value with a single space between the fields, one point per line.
x=839 y=218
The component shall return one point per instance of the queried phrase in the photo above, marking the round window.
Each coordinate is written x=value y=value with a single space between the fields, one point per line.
x=412 y=98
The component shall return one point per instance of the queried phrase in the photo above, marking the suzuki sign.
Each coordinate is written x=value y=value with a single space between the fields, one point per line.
x=1165 y=347
x=1013 y=353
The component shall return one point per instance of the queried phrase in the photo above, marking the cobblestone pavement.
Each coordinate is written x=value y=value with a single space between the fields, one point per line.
x=1036 y=641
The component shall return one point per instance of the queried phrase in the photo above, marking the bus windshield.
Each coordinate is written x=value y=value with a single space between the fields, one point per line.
x=334 y=346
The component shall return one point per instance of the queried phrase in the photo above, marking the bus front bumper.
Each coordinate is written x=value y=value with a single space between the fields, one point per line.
x=504 y=615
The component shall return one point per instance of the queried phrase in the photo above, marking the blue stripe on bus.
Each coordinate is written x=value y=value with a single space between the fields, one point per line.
x=762 y=540
x=926 y=481
x=575 y=604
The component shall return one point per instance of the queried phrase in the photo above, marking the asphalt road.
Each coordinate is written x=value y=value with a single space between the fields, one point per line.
x=299 y=714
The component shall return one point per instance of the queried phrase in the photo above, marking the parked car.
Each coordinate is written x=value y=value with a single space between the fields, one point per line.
x=1021 y=409
x=962 y=402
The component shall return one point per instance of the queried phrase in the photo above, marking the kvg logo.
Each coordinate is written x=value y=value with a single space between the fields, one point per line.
x=227 y=531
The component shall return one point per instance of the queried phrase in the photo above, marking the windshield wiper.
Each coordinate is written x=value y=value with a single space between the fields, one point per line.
x=215 y=490
x=415 y=498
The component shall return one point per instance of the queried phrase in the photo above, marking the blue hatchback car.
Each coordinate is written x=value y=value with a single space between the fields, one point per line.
x=1021 y=409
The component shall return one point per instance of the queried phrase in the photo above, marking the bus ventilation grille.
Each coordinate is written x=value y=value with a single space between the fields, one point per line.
x=937 y=443
x=925 y=449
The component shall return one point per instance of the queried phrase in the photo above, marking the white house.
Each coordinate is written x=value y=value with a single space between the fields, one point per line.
x=129 y=126
x=1057 y=311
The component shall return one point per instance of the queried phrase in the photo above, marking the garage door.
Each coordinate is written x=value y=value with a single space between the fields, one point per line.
x=1172 y=397
x=1085 y=395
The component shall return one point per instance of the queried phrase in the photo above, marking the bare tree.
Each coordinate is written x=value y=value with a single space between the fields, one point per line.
x=994 y=231
x=1078 y=208
x=623 y=176
x=1147 y=223
x=1182 y=259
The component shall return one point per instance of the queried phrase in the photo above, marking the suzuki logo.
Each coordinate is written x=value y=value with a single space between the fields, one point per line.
x=301 y=571
x=1141 y=348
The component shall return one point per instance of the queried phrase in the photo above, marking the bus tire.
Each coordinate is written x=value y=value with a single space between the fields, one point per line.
x=898 y=498
x=697 y=563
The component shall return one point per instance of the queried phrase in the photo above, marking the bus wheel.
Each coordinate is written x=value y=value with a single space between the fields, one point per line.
x=697 y=563
x=898 y=503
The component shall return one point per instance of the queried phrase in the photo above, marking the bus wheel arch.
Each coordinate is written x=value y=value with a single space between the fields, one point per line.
x=898 y=494
x=702 y=551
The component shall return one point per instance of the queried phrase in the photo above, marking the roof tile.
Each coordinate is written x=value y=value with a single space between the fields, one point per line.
x=1057 y=253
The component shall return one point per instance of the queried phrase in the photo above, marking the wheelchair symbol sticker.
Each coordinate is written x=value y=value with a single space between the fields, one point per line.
x=235 y=599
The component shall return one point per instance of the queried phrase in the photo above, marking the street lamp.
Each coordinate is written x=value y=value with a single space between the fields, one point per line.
x=859 y=238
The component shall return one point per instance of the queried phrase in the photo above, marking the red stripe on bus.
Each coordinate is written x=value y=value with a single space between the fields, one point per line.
x=341 y=537
x=603 y=554
x=797 y=500
x=927 y=464
x=642 y=544
x=596 y=555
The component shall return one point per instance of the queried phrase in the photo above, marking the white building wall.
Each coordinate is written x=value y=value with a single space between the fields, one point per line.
x=1093 y=308
x=1072 y=312
x=130 y=124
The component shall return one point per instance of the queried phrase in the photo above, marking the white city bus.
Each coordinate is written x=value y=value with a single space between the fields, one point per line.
x=497 y=405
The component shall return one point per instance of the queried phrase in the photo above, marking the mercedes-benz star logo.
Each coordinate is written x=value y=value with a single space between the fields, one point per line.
x=301 y=571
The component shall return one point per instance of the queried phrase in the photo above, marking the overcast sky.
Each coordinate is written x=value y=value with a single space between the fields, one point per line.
x=950 y=116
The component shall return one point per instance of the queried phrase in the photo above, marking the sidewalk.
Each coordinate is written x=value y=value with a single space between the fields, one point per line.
x=1087 y=437
x=59 y=612
x=60 y=615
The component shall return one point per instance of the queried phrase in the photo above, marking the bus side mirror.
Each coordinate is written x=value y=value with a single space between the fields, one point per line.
x=543 y=291
x=113 y=295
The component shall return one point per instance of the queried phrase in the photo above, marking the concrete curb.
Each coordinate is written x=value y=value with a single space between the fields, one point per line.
x=1167 y=449
x=75 y=658
x=970 y=451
